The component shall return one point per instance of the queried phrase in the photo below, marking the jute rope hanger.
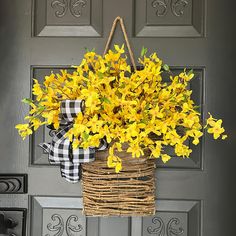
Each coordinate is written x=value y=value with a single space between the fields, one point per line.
x=120 y=20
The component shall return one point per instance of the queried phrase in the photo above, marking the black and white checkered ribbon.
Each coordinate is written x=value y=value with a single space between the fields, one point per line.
x=70 y=109
x=60 y=150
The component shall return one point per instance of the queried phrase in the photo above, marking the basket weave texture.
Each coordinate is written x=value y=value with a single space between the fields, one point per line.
x=128 y=193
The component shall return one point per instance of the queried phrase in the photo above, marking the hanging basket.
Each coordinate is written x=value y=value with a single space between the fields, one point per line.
x=131 y=192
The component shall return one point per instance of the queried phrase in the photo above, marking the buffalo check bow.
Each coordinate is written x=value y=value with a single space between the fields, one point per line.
x=60 y=149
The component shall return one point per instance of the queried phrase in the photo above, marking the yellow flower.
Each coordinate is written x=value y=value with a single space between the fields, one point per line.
x=92 y=102
x=165 y=157
x=37 y=90
x=118 y=167
x=52 y=117
x=62 y=77
x=112 y=57
x=34 y=108
x=76 y=143
x=186 y=77
x=90 y=55
x=211 y=121
x=79 y=129
x=224 y=136
x=156 y=113
x=135 y=149
x=36 y=123
x=22 y=126
x=114 y=162
x=156 y=152
x=216 y=129
x=154 y=57
x=182 y=150
x=94 y=140
x=195 y=134
x=118 y=49
x=103 y=68
x=105 y=132
x=24 y=130
x=95 y=124
x=132 y=131
x=164 y=95
x=49 y=79
x=156 y=149
x=125 y=67
x=173 y=137
x=186 y=107
x=188 y=122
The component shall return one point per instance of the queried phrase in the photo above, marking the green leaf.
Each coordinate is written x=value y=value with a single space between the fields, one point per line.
x=87 y=50
x=166 y=67
x=85 y=136
x=147 y=106
x=190 y=72
x=144 y=121
x=185 y=98
x=100 y=75
x=41 y=108
x=109 y=64
x=27 y=100
x=196 y=107
x=106 y=100
x=143 y=51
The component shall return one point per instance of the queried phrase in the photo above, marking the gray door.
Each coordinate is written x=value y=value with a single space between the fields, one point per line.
x=194 y=196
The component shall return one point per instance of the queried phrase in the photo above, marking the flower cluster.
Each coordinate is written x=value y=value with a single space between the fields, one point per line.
x=137 y=108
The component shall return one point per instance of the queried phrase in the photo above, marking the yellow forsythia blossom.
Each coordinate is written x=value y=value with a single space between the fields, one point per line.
x=136 y=108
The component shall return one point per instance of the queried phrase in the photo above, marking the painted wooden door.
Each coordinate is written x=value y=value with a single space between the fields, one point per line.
x=194 y=196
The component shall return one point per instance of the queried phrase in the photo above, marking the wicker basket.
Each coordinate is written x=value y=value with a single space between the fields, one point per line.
x=128 y=193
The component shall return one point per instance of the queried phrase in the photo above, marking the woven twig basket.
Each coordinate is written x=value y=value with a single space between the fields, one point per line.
x=128 y=193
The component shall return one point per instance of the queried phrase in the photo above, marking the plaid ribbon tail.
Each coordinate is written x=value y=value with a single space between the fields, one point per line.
x=45 y=146
x=71 y=173
x=103 y=145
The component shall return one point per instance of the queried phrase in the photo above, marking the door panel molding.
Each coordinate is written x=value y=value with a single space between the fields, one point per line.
x=169 y=18
x=60 y=216
x=172 y=218
x=67 y=18
x=13 y=183
x=13 y=221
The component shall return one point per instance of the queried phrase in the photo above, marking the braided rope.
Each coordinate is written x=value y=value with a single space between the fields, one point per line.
x=119 y=19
